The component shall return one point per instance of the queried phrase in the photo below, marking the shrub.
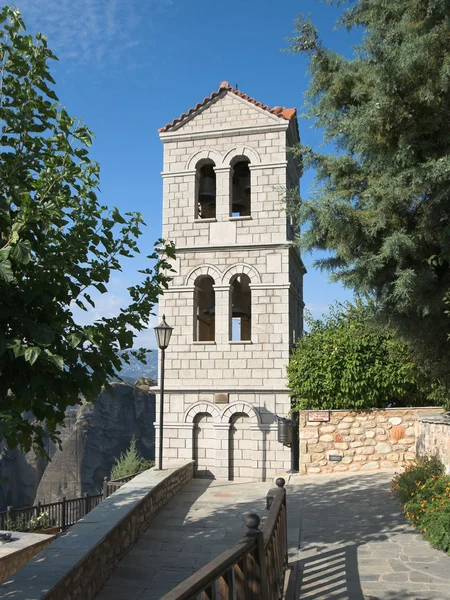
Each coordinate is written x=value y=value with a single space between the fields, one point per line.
x=424 y=490
x=348 y=360
x=39 y=522
x=130 y=462
x=404 y=485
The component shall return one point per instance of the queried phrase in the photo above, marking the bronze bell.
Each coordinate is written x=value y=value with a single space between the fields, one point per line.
x=241 y=199
x=207 y=187
x=237 y=309
x=211 y=307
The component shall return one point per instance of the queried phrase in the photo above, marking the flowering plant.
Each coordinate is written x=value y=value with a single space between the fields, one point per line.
x=424 y=490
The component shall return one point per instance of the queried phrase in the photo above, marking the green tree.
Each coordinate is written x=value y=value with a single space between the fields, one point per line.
x=56 y=244
x=130 y=462
x=381 y=204
x=349 y=361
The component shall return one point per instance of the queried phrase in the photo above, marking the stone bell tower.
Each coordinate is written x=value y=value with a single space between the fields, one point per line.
x=236 y=299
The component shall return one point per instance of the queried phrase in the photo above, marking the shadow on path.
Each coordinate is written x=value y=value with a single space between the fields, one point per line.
x=203 y=520
x=355 y=544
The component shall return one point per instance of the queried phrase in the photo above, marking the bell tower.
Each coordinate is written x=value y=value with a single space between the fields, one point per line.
x=236 y=299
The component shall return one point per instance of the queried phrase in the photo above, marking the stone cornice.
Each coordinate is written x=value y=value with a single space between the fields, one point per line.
x=223 y=426
x=177 y=173
x=249 y=247
x=279 y=165
x=178 y=136
x=214 y=390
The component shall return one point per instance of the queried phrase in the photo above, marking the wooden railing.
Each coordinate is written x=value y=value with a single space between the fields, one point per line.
x=65 y=512
x=111 y=486
x=61 y=514
x=275 y=540
x=253 y=569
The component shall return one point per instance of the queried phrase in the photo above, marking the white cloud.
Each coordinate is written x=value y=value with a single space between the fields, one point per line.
x=91 y=32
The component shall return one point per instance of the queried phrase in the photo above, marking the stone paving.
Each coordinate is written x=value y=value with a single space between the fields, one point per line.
x=202 y=521
x=356 y=545
x=347 y=541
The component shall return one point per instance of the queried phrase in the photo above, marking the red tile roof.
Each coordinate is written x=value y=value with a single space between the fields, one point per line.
x=279 y=111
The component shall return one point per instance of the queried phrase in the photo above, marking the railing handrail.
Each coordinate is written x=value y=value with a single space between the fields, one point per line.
x=279 y=499
x=196 y=583
x=43 y=505
x=84 y=501
x=125 y=479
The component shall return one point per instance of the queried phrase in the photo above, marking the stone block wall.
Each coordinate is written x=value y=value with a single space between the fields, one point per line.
x=434 y=438
x=11 y=562
x=365 y=441
x=249 y=374
x=86 y=556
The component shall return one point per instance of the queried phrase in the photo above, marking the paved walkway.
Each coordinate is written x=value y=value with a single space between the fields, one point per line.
x=356 y=545
x=347 y=541
x=194 y=527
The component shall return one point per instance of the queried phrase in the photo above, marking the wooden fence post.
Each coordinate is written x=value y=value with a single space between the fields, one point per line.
x=256 y=569
x=86 y=503
x=38 y=509
x=105 y=488
x=63 y=513
x=280 y=482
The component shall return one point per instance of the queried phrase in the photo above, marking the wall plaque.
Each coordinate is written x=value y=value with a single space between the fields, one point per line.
x=221 y=398
x=315 y=416
x=334 y=458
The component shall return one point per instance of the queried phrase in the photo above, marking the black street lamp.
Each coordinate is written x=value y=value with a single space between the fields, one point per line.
x=163 y=333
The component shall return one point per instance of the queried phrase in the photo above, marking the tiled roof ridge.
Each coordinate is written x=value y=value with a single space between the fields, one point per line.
x=279 y=111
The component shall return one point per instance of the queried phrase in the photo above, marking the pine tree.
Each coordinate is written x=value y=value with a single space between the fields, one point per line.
x=382 y=201
x=130 y=462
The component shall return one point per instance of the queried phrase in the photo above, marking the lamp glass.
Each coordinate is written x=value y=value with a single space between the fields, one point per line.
x=163 y=333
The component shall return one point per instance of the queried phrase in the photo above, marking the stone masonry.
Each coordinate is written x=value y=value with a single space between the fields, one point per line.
x=434 y=437
x=236 y=388
x=76 y=565
x=20 y=550
x=365 y=441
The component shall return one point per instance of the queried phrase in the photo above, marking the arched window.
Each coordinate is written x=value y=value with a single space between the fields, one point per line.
x=240 y=188
x=205 y=191
x=205 y=310
x=240 y=310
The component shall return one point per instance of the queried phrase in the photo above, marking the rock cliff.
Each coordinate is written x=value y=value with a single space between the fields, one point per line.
x=100 y=433
x=92 y=437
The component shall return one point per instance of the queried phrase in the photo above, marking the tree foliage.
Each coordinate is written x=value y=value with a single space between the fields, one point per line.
x=57 y=242
x=349 y=361
x=381 y=204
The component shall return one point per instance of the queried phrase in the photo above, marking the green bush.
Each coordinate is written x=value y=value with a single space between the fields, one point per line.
x=424 y=490
x=405 y=485
x=130 y=462
x=348 y=360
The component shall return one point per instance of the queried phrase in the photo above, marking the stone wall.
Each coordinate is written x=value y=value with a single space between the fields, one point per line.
x=434 y=438
x=76 y=566
x=365 y=441
x=19 y=551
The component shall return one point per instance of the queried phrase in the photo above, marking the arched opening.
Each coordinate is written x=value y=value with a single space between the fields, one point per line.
x=205 y=191
x=238 y=457
x=205 y=309
x=202 y=445
x=240 y=309
x=240 y=189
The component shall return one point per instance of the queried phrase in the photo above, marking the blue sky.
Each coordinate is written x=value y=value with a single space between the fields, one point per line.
x=127 y=67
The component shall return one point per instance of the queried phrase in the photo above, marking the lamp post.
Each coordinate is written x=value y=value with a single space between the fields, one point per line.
x=163 y=333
